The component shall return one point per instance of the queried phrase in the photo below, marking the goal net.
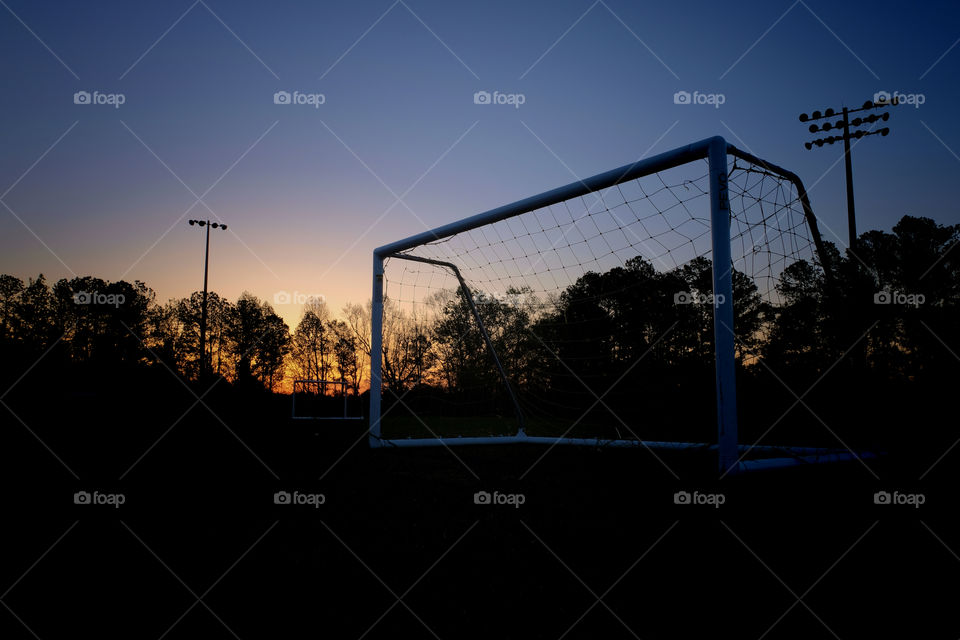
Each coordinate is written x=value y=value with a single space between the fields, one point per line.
x=615 y=311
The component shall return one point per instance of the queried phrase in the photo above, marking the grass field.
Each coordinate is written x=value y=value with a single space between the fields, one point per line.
x=200 y=520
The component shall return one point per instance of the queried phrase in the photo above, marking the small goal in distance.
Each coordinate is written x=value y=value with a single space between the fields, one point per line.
x=323 y=400
x=614 y=311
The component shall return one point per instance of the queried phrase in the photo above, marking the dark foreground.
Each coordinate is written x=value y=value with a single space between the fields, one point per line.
x=400 y=549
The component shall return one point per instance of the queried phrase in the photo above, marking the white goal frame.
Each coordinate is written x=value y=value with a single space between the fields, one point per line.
x=716 y=151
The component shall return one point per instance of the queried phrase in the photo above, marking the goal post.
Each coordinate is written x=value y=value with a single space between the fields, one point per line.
x=723 y=307
x=560 y=278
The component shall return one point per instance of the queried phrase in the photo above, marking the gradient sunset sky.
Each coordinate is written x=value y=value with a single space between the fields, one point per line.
x=399 y=145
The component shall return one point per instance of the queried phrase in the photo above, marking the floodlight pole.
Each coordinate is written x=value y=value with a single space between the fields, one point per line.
x=203 y=306
x=203 y=309
x=886 y=101
x=848 y=161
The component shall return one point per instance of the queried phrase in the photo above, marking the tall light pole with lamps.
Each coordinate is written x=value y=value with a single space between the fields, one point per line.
x=203 y=308
x=842 y=126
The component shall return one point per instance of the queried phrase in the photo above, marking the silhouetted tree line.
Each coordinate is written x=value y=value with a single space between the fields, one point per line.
x=333 y=349
x=90 y=326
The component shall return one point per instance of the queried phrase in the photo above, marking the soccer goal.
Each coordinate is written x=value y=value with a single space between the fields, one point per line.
x=614 y=311
x=324 y=400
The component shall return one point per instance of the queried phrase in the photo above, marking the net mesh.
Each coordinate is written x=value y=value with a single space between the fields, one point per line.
x=599 y=309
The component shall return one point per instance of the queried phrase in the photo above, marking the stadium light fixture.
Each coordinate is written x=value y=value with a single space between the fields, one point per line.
x=845 y=123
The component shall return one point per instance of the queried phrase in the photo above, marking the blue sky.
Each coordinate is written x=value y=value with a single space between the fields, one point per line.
x=309 y=191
